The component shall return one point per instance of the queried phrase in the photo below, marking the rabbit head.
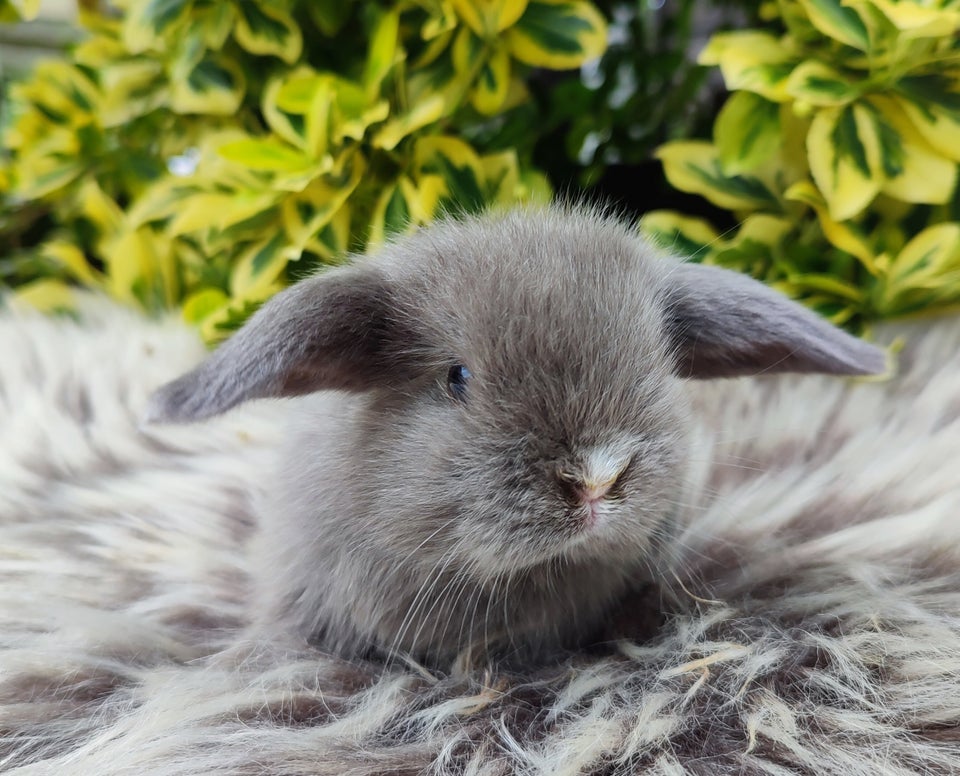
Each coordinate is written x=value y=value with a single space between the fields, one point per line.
x=501 y=438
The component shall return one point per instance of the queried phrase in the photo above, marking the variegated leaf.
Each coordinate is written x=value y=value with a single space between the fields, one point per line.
x=682 y=235
x=849 y=160
x=558 y=34
x=694 y=166
x=263 y=28
x=752 y=60
x=747 y=132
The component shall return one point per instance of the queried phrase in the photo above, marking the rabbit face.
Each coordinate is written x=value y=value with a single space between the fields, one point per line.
x=535 y=417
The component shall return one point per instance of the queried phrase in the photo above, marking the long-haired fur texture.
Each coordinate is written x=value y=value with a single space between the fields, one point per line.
x=811 y=622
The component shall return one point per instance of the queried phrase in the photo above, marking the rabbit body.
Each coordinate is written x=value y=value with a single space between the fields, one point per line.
x=495 y=437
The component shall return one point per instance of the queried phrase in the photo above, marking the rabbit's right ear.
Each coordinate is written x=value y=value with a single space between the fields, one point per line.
x=333 y=331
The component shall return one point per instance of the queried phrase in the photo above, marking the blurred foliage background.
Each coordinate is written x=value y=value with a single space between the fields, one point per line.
x=201 y=154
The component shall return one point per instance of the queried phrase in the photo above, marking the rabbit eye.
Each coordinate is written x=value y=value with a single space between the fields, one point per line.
x=457 y=379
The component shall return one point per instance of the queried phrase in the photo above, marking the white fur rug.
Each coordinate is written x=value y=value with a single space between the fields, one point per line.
x=812 y=624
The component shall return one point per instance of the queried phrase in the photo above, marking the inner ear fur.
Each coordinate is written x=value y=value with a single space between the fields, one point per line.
x=724 y=324
x=333 y=331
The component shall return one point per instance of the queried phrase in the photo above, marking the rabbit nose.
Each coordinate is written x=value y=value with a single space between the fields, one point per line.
x=589 y=487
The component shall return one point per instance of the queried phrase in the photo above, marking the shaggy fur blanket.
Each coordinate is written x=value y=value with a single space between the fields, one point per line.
x=811 y=623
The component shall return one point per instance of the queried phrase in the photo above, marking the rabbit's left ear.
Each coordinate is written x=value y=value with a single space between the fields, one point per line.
x=724 y=324
x=335 y=331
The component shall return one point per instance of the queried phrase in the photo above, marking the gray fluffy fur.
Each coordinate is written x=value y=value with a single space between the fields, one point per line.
x=407 y=519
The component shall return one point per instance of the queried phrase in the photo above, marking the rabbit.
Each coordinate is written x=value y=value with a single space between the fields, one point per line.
x=492 y=434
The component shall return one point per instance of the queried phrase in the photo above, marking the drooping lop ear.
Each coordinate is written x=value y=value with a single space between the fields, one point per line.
x=724 y=324
x=330 y=332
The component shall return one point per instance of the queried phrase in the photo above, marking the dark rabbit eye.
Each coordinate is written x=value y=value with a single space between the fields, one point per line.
x=457 y=379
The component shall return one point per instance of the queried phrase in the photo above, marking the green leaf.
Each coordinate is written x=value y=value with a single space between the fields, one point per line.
x=424 y=112
x=47 y=295
x=329 y=15
x=932 y=103
x=846 y=160
x=267 y=154
x=681 y=235
x=260 y=265
x=933 y=251
x=383 y=52
x=488 y=17
x=923 y=175
x=753 y=61
x=838 y=21
x=161 y=15
x=557 y=34
x=694 y=166
x=493 y=83
x=815 y=83
x=916 y=20
x=201 y=304
x=459 y=167
x=213 y=86
x=747 y=132
x=263 y=28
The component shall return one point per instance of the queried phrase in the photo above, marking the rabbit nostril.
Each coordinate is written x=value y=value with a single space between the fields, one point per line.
x=584 y=491
x=580 y=488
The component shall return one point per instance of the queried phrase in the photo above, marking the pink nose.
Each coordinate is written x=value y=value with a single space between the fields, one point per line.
x=590 y=493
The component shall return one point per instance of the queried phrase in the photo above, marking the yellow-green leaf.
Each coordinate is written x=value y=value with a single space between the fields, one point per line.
x=747 y=132
x=391 y=215
x=492 y=84
x=846 y=236
x=925 y=176
x=262 y=28
x=459 y=166
x=932 y=103
x=502 y=174
x=835 y=287
x=423 y=198
x=200 y=305
x=261 y=264
x=815 y=83
x=383 y=52
x=557 y=34
x=218 y=210
x=424 y=112
x=682 y=235
x=919 y=20
x=933 y=251
x=267 y=154
x=131 y=88
x=214 y=85
x=46 y=295
x=694 y=166
x=72 y=259
x=333 y=241
x=844 y=149
x=838 y=21
x=752 y=61
x=100 y=209
x=488 y=17
x=141 y=268
x=763 y=228
x=145 y=23
x=307 y=212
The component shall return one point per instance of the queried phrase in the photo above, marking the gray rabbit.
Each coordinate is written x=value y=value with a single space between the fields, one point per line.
x=496 y=438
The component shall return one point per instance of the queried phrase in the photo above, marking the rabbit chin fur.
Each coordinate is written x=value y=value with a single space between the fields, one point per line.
x=420 y=517
x=812 y=611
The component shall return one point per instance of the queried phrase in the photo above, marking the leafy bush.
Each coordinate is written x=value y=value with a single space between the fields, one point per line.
x=644 y=90
x=837 y=154
x=204 y=153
